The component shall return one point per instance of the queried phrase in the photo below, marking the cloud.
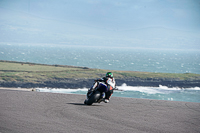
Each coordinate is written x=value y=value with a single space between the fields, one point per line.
x=116 y=21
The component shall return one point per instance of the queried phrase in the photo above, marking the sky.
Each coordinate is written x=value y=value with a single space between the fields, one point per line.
x=118 y=23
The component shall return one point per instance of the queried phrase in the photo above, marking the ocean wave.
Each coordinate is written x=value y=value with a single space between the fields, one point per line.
x=150 y=90
x=159 y=93
x=61 y=90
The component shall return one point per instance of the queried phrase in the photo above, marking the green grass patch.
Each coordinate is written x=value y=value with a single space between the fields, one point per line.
x=30 y=72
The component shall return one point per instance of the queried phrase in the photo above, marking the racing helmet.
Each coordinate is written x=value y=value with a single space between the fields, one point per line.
x=109 y=74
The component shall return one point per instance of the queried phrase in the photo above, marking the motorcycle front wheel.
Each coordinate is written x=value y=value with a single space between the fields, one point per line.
x=93 y=98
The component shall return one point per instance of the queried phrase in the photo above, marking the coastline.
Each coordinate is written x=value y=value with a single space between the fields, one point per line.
x=87 y=83
x=31 y=75
x=17 y=89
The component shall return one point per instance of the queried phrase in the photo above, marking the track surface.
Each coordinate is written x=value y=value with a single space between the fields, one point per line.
x=38 y=112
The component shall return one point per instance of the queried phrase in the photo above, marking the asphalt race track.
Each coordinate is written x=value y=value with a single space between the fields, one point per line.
x=39 y=112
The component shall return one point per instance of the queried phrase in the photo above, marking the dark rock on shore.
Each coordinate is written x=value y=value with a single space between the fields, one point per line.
x=81 y=83
x=67 y=83
x=155 y=83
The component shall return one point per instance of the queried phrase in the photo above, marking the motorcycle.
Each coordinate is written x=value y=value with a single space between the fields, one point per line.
x=97 y=95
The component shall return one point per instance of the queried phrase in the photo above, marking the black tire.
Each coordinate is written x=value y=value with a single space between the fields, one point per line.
x=93 y=98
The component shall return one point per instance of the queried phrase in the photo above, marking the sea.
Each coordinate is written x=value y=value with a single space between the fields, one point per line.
x=114 y=58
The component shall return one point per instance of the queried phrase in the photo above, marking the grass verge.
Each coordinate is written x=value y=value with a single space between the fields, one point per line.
x=33 y=73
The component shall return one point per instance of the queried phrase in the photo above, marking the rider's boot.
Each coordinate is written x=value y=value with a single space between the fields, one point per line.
x=106 y=101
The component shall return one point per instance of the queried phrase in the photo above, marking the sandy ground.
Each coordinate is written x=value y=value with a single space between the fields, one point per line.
x=39 y=112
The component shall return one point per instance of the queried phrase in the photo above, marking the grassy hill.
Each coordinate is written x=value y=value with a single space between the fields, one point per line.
x=25 y=72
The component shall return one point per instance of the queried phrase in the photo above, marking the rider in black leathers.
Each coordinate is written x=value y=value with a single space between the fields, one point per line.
x=109 y=81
